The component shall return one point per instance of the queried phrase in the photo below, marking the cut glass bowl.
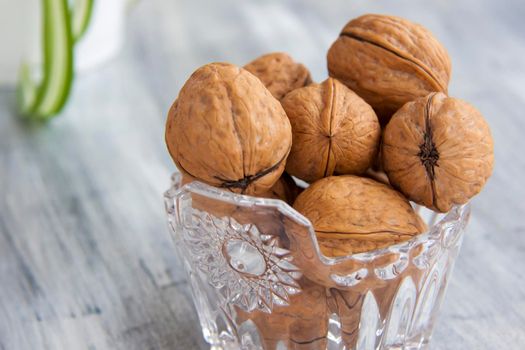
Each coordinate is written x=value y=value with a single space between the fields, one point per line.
x=259 y=280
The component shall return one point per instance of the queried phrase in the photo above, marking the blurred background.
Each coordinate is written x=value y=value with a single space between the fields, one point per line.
x=86 y=261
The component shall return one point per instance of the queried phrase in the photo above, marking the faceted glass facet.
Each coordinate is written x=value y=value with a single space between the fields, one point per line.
x=259 y=280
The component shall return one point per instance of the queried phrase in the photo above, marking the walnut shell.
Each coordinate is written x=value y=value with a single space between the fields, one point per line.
x=284 y=189
x=352 y=214
x=438 y=151
x=279 y=73
x=389 y=61
x=227 y=130
x=303 y=324
x=334 y=131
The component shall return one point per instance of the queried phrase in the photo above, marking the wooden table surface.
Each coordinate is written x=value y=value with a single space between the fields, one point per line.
x=85 y=257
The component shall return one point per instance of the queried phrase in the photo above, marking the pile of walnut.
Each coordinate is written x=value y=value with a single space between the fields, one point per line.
x=380 y=131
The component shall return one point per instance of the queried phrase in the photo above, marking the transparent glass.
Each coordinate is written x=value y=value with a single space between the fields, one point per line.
x=259 y=280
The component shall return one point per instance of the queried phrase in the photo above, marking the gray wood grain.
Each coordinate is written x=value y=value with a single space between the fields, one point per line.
x=85 y=257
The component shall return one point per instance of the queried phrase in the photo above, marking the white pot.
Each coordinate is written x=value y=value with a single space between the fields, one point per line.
x=21 y=35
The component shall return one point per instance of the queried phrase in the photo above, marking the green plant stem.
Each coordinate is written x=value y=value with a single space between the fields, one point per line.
x=62 y=27
x=81 y=15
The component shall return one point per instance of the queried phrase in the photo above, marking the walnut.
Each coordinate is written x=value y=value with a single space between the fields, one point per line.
x=284 y=189
x=226 y=129
x=388 y=61
x=279 y=73
x=438 y=151
x=352 y=214
x=303 y=324
x=186 y=179
x=334 y=131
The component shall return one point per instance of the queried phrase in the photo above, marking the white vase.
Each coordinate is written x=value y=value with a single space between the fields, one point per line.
x=21 y=36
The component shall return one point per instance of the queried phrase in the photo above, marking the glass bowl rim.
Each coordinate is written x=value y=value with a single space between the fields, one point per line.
x=458 y=213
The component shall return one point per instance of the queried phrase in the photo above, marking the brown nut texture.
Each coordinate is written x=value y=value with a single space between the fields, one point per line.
x=352 y=214
x=334 y=131
x=303 y=324
x=438 y=151
x=226 y=129
x=279 y=73
x=284 y=189
x=389 y=61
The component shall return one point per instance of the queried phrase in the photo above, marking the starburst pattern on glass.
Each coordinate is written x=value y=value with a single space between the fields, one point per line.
x=248 y=267
x=237 y=251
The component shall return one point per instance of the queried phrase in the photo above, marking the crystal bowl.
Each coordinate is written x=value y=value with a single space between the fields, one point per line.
x=259 y=280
